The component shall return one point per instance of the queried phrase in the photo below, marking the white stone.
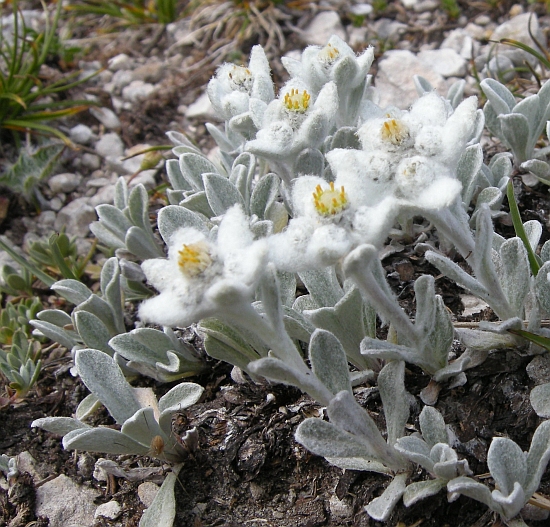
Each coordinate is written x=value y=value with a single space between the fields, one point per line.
x=145 y=178
x=201 y=108
x=120 y=62
x=110 y=145
x=65 y=182
x=477 y=32
x=90 y=161
x=461 y=42
x=106 y=117
x=472 y=305
x=110 y=510
x=357 y=36
x=388 y=29
x=482 y=20
x=76 y=217
x=122 y=78
x=501 y=67
x=147 y=492
x=409 y=3
x=446 y=62
x=81 y=134
x=394 y=81
x=26 y=463
x=56 y=203
x=46 y=219
x=150 y=72
x=137 y=90
x=322 y=27
x=65 y=503
x=361 y=9
x=105 y=194
x=426 y=5
x=517 y=28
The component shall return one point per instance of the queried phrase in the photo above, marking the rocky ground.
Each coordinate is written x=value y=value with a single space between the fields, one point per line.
x=248 y=470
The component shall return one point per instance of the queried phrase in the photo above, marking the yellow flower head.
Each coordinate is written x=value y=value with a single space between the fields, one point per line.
x=296 y=101
x=394 y=131
x=329 y=54
x=240 y=78
x=331 y=201
x=194 y=259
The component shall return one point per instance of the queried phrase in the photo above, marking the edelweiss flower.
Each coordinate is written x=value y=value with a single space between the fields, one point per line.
x=430 y=128
x=201 y=277
x=335 y=62
x=293 y=122
x=407 y=165
x=235 y=88
x=327 y=225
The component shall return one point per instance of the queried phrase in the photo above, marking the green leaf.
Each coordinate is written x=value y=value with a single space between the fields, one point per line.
x=534 y=261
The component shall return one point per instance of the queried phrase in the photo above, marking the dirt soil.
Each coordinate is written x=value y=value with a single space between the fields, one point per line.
x=247 y=469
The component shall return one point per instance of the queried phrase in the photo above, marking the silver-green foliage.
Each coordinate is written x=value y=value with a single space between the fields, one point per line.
x=146 y=425
x=125 y=226
x=517 y=125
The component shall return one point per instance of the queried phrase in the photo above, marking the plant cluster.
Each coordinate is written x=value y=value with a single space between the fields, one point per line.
x=310 y=187
x=26 y=97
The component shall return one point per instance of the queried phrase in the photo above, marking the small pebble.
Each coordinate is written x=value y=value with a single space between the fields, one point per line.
x=81 y=134
x=110 y=510
x=147 y=492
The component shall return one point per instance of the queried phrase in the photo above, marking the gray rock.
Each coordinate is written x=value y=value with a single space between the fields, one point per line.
x=477 y=32
x=110 y=510
x=56 y=203
x=122 y=78
x=322 y=27
x=500 y=67
x=46 y=219
x=387 y=29
x=145 y=178
x=482 y=20
x=517 y=28
x=81 y=134
x=137 y=90
x=90 y=161
x=394 y=81
x=361 y=9
x=149 y=72
x=65 y=503
x=446 y=62
x=201 y=109
x=105 y=194
x=147 y=492
x=85 y=465
x=340 y=509
x=26 y=463
x=539 y=369
x=120 y=62
x=461 y=42
x=110 y=145
x=106 y=117
x=357 y=36
x=65 y=182
x=425 y=5
x=76 y=217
